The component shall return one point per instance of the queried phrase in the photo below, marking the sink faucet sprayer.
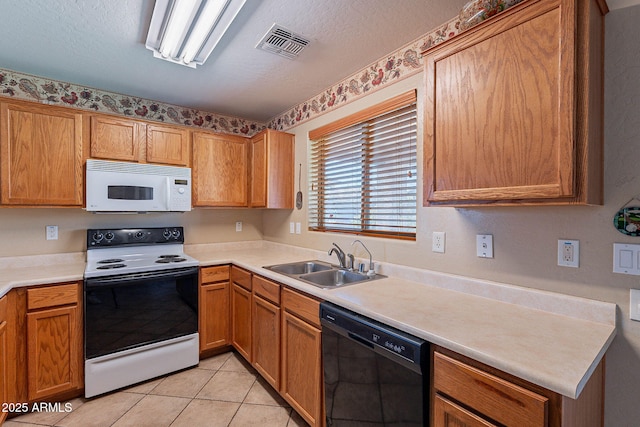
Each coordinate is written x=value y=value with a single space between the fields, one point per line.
x=371 y=271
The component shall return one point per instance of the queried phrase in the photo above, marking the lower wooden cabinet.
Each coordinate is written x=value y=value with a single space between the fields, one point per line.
x=302 y=356
x=241 y=311
x=467 y=393
x=3 y=356
x=214 y=322
x=265 y=340
x=54 y=340
x=446 y=413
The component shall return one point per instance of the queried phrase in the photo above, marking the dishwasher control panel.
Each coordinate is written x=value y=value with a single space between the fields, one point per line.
x=372 y=333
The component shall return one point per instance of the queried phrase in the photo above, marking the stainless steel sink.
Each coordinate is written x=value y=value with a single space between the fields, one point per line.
x=303 y=267
x=333 y=278
x=321 y=274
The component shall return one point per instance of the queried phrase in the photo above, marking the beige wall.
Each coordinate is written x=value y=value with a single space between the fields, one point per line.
x=22 y=231
x=525 y=238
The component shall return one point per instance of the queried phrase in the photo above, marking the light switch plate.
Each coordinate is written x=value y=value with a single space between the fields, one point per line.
x=625 y=259
x=484 y=245
x=634 y=304
x=239 y=226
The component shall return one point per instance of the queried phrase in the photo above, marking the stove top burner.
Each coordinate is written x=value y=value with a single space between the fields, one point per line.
x=110 y=266
x=110 y=260
x=166 y=260
x=117 y=252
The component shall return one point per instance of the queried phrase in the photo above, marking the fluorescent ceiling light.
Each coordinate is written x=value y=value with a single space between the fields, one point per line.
x=187 y=31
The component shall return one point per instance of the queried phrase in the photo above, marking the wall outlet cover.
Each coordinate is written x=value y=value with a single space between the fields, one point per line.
x=568 y=253
x=438 y=241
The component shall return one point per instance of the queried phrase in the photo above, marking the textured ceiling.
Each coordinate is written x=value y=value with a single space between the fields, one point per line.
x=100 y=44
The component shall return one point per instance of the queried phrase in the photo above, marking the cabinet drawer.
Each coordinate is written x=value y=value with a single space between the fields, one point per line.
x=487 y=394
x=302 y=306
x=218 y=273
x=241 y=277
x=52 y=296
x=266 y=289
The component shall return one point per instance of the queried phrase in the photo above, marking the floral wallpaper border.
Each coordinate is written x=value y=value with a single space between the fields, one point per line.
x=18 y=85
x=399 y=65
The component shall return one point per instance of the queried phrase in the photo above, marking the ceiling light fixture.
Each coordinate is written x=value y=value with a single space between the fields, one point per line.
x=186 y=31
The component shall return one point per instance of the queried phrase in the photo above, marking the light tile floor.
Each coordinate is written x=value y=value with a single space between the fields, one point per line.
x=222 y=391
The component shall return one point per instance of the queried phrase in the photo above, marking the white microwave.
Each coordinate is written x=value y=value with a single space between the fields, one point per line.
x=132 y=187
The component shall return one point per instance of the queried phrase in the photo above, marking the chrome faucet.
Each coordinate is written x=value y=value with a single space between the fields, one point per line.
x=371 y=271
x=340 y=254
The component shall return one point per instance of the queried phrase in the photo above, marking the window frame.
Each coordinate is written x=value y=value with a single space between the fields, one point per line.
x=361 y=118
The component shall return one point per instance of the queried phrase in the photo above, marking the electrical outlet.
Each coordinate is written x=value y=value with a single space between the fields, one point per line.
x=292 y=227
x=52 y=232
x=298 y=228
x=568 y=253
x=438 y=240
x=484 y=245
x=239 y=226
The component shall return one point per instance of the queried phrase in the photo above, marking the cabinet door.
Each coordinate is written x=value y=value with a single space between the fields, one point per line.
x=272 y=170
x=167 y=145
x=41 y=156
x=266 y=340
x=219 y=170
x=116 y=139
x=241 y=320
x=258 y=193
x=214 y=315
x=501 y=108
x=53 y=347
x=448 y=414
x=301 y=368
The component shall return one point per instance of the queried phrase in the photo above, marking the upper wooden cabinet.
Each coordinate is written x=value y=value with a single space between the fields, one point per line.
x=41 y=155
x=514 y=108
x=168 y=145
x=219 y=170
x=114 y=138
x=272 y=170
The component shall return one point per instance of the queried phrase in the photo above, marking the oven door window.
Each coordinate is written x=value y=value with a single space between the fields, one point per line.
x=123 y=312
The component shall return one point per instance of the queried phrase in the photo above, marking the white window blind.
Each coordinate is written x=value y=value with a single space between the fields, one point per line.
x=363 y=176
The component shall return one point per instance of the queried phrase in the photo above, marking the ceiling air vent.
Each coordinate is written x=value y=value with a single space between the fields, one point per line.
x=282 y=42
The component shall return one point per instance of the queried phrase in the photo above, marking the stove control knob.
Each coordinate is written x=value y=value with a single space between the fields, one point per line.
x=109 y=235
x=175 y=233
x=166 y=233
x=138 y=235
x=97 y=236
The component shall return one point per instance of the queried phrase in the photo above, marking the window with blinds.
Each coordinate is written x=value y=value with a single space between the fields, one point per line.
x=363 y=172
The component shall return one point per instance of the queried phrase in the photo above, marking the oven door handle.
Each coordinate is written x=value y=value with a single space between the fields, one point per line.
x=125 y=279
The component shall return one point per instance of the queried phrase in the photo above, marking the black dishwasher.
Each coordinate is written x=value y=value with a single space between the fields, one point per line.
x=373 y=374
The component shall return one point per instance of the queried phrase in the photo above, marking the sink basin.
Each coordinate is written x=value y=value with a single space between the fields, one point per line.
x=321 y=274
x=333 y=278
x=302 y=267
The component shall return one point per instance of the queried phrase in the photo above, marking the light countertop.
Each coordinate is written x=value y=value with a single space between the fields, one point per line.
x=549 y=339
